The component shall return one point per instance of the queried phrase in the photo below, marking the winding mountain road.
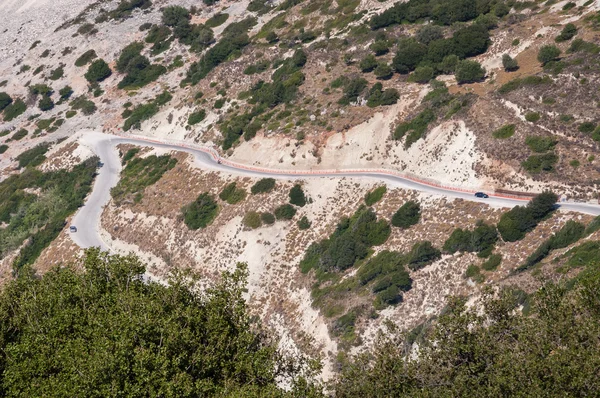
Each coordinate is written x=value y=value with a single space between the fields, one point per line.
x=87 y=218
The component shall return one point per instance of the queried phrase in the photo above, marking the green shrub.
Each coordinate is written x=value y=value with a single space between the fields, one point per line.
x=587 y=127
x=14 y=110
x=353 y=88
x=46 y=104
x=348 y=244
x=297 y=196
x=57 y=73
x=480 y=239
x=3 y=148
x=540 y=144
x=532 y=117
x=515 y=223
x=586 y=254
x=492 y=262
x=539 y=163
x=86 y=58
x=474 y=273
x=33 y=157
x=380 y=47
x=375 y=195
x=231 y=194
x=570 y=233
x=407 y=215
x=285 y=212
x=368 y=63
x=263 y=186
x=146 y=111
x=548 y=53
x=378 y=97
x=19 y=135
x=65 y=93
x=304 y=223
x=98 y=71
x=504 y=132
x=421 y=255
x=5 y=100
x=138 y=174
x=267 y=218
x=86 y=106
x=568 y=32
x=527 y=81
x=509 y=63
x=196 y=117
x=415 y=129
x=201 y=212
x=216 y=20
x=469 y=72
x=252 y=220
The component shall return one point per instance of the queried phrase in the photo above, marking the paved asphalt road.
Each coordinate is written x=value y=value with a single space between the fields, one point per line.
x=87 y=220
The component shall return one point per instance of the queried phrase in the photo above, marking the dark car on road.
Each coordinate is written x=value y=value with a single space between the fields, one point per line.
x=73 y=228
x=481 y=195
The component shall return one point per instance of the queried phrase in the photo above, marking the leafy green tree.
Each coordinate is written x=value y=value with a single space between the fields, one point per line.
x=304 y=223
x=469 y=72
x=422 y=254
x=509 y=63
x=375 y=195
x=263 y=186
x=548 y=53
x=65 y=93
x=422 y=74
x=410 y=53
x=108 y=324
x=448 y=64
x=407 y=215
x=98 y=71
x=46 y=104
x=175 y=15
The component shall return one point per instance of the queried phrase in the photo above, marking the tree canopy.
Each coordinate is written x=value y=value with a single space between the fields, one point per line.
x=106 y=332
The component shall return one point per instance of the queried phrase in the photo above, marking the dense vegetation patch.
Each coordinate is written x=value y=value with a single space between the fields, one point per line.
x=504 y=132
x=36 y=220
x=350 y=242
x=138 y=174
x=33 y=157
x=375 y=195
x=407 y=215
x=139 y=72
x=232 y=194
x=515 y=223
x=146 y=111
x=263 y=185
x=201 y=212
x=297 y=196
x=117 y=329
x=481 y=239
x=86 y=58
x=98 y=71
x=14 y=110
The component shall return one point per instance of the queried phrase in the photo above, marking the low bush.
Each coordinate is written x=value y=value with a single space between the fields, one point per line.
x=474 y=272
x=587 y=127
x=297 y=196
x=509 y=63
x=492 y=262
x=480 y=239
x=196 y=117
x=304 y=223
x=421 y=255
x=86 y=58
x=548 y=53
x=540 y=144
x=285 y=212
x=263 y=186
x=146 y=111
x=540 y=163
x=504 y=132
x=138 y=174
x=33 y=157
x=375 y=195
x=527 y=81
x=22 y=133
x=14 y=110
x=515 y=223
x=348 y=244
x=86 y=106
x=407 y=215
x=5 y=100
x=252 y=220
x=469 y=72
x=98 y=71
x=415 y=128
x=267 y=218
x=532 y=117
x=570 y=233
x=568 y=32
x=231 y=194
x=217 y=20
x=201 y=212
x=3 y=148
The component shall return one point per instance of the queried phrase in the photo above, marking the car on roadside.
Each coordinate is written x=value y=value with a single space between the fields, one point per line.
x=72 y=228
x=481 y=195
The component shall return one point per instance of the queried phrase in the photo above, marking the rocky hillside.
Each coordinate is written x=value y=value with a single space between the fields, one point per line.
x=491 y=95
